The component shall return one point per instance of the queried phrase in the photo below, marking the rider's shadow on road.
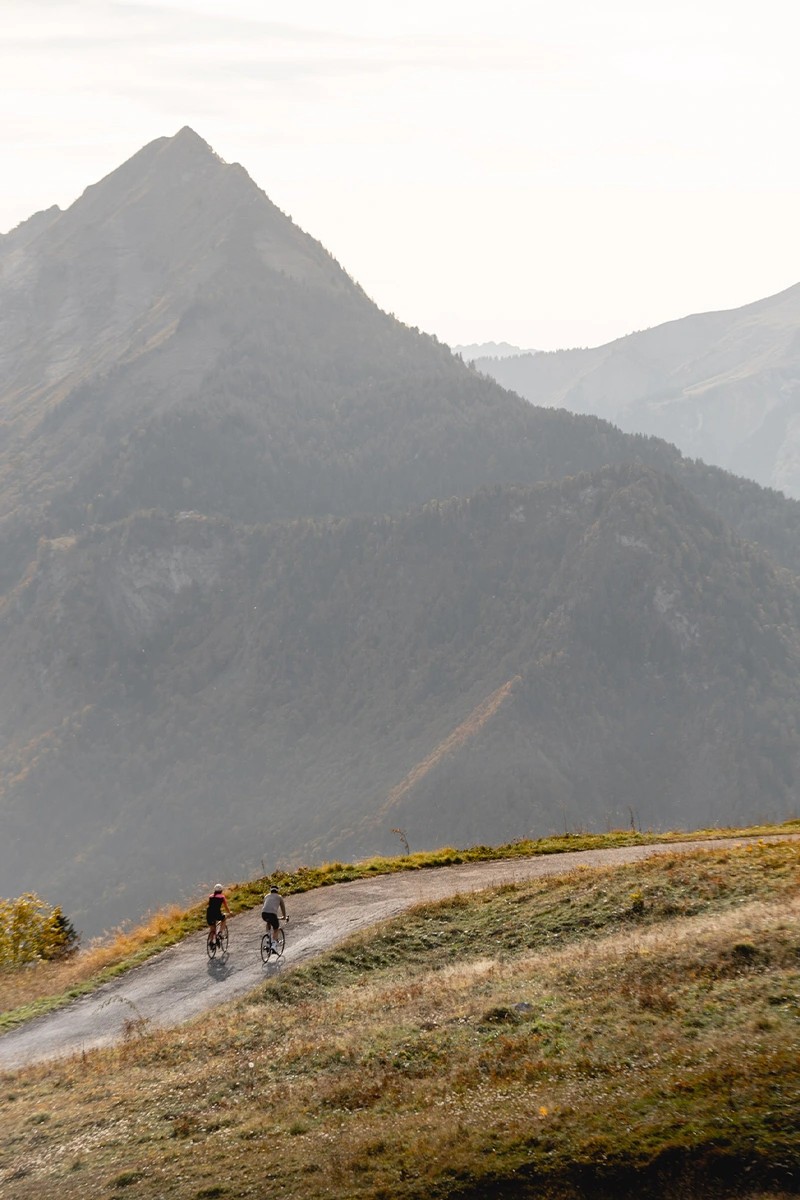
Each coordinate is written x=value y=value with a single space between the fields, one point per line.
x=272 y=969
x=220 y=969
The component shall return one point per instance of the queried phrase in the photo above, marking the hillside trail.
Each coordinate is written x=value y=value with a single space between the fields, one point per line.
x=181 y=983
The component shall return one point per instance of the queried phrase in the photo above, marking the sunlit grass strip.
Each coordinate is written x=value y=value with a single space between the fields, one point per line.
x=654 y=1055
x=50 y=986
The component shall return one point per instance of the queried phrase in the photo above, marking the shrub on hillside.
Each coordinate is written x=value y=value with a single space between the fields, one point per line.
x=31 y=930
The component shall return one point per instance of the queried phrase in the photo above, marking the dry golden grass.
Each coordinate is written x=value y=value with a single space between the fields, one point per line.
x=661 y=1059
x=46 y=986
x=122 y=946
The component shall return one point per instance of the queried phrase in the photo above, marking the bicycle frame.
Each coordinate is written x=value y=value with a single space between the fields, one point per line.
x=217 y=938
x=271 y=943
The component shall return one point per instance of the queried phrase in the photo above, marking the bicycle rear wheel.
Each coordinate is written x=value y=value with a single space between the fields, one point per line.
x=266 y=947
x=211 y=945
x=278 y=943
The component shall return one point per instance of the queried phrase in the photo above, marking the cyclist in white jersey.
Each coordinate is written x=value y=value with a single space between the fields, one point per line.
x=272 y=907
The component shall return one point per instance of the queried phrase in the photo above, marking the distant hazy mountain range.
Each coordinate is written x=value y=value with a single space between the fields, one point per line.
x=278 y=573
x=723 y=386
x=489 y=350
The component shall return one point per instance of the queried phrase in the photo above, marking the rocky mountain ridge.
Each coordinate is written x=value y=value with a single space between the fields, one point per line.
x=173 y=340
x=723 y=386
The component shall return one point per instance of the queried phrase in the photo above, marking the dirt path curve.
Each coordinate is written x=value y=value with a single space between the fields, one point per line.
x=181 y=983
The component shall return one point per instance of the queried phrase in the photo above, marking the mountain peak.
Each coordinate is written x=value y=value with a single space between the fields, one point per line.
x=188 y=145
x=184 y=161
x=127 y=261
x=188 y=135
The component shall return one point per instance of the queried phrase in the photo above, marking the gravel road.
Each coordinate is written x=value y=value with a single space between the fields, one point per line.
x=181 y=983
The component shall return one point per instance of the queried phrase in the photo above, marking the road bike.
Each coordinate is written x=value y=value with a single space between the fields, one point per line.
x=219 y=941
x=273 y=941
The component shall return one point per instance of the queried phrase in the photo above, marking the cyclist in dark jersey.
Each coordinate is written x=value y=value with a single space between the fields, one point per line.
x=214 y=912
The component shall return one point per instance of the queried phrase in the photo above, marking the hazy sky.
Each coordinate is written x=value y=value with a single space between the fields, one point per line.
x=553 y=173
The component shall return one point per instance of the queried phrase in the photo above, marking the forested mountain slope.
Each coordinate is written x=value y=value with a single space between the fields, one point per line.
x=723 y=386
x=247 y=609
x=181 y=696
x=173 y=340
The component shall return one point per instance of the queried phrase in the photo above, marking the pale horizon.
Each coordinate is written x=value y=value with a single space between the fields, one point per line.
x=544 y=178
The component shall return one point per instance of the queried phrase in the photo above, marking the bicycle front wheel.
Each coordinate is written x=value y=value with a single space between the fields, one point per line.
x=266 y=948
x=223 y=937
x=278 y=943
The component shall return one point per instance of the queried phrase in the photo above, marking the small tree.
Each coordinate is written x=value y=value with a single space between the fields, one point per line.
x=31 y=930
x=401 y=833
x=67 y=937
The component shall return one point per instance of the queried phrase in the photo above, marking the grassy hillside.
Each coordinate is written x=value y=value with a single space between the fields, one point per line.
x=44 y=986
x=625 y=1032
x=200 y=696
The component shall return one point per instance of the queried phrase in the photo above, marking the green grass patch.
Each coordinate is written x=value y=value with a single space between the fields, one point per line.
x=46 y=992
x=551 y=1039
x=550 y=913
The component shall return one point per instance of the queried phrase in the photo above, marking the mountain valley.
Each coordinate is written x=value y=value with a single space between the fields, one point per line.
x=279 y=574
